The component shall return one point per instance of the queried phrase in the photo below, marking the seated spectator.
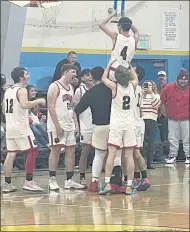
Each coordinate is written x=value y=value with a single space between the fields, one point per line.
x=175 y=106
x=149 y=105
x=36 y=119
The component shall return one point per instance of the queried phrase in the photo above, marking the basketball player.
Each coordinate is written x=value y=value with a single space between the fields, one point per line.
x=62 y=126
x=140 y=165
x=85 y=121
x=124 y=44
x=122 y=123
x=19 y=136
x=99 y=99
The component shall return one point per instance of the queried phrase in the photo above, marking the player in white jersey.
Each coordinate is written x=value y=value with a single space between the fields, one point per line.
x=124 y=44
x=62 y=126
x=122 y=123
x=19 y=136
x=85 y=121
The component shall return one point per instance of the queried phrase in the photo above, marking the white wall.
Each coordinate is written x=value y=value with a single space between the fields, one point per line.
x=77 y=24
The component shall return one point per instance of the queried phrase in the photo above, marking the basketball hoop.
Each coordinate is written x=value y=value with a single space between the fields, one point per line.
x=50 y=10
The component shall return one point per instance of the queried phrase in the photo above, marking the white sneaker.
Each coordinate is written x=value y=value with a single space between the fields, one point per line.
x=171 y=160
x=83 y=182
x=8 y=188
x=72 y=184
x=187 y=161
x=53 y=184
x=31 y=186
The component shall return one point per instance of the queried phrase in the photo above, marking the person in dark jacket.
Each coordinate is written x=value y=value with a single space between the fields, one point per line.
x=72 y=59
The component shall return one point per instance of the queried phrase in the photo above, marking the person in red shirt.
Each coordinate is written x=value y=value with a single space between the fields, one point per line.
x=175 y=105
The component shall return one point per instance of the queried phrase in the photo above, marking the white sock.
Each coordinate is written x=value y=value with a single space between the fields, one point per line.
x=117 y=161
x=107 y=179
x=97 y=164
x=129 y=182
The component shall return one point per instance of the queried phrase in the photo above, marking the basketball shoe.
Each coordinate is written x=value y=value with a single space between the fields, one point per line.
x=144 y=185
x=93 y=186
x=32 y=186
x=8 y=188
x=69 y=184
x=129 y=189
x=171 y=160
x=106 y=188
x=53 y=184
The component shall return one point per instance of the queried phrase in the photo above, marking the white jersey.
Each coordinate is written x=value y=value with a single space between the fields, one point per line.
x=85 y=118
x=17 y=118
x=138 y=100
x=63 y=108
x=123 y=51
x=122 y=108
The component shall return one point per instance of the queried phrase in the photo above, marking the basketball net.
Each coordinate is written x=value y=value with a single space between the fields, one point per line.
x=50 y=10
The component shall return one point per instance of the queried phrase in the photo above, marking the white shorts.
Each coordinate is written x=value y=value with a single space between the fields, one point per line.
x=68 y=139
x=21 y=144
x=139 y=136
x=100 y=137
x=86 y=138
x=122 y=139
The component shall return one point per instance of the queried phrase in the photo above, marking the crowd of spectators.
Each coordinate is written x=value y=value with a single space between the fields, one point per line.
x=163 y=105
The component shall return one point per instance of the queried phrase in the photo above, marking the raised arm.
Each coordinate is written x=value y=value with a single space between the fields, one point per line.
x=136 y=34
x=105 y=29
x=134 y=77
x=110 y=84
x=22 y=95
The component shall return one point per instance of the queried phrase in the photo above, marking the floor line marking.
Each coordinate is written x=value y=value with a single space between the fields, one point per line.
x=86 y=206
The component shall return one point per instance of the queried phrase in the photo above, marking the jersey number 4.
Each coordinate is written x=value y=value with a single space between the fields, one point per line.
x=9 y=105
x=126 y=103
x=124 y=53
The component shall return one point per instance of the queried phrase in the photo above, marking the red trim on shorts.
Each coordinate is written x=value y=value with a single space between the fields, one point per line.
x=57 y=145
x=30 y=141
x=98 y=148
x=113 y=145
x=130 y=147
x=33 y=148
x=115 y=92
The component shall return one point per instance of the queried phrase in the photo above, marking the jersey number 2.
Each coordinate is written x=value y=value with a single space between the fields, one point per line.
x=124 y=53
x=9 y=105
x=126 y=103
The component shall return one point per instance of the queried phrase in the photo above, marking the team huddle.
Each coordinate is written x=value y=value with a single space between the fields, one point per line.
x=104 y=112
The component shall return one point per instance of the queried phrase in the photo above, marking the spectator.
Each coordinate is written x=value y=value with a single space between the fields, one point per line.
x=162 y=120
x=175 y=106
x=150 y=104
x=71 y=58
x=34 y=119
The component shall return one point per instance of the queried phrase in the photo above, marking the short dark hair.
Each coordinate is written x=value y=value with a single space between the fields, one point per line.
x=126 y=26
x=97 y=73
x=67 y=67
x=71 y=52
x=17 y=73
x=122 y=75
x=125 y=20
x=84 y=72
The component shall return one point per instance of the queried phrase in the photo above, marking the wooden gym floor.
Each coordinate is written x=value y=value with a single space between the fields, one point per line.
x=165 y=206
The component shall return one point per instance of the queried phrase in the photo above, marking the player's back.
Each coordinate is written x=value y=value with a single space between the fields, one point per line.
x=122 y=108
x=63 y=108
x=123 y=51
x=17 y=118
